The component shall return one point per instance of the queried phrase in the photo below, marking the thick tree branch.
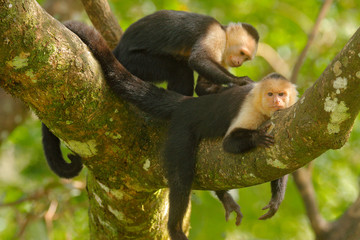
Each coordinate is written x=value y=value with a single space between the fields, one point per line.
x=104 y=20
x=51 y=70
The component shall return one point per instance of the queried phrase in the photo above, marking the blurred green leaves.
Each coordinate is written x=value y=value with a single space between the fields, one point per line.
x=34 y=203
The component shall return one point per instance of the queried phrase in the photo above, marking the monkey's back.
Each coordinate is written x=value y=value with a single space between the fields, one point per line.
x=164 y=32
x=211 y=115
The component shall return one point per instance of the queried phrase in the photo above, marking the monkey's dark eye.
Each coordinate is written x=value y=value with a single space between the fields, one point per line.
x=281 y=94
x=270 y=94
x=242 y=53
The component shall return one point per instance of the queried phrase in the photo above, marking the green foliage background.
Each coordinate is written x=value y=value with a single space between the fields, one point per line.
x=284 y=26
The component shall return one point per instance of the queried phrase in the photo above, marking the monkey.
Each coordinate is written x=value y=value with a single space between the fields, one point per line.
x=169 y=45
x=235 y=113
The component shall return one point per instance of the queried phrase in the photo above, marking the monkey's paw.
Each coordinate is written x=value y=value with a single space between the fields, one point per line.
x=231 y=206
x=262 y=138
x=241 y=81
x=273 y=206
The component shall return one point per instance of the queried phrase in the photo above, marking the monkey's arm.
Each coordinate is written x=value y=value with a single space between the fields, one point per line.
x=205 y=87
x=205 y=66
x=241 y=140
x=230 y=205
x=278 y=188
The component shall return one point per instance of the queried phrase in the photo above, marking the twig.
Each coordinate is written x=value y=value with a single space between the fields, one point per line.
x=274 y=59
x=302 y=178
x=324 y=9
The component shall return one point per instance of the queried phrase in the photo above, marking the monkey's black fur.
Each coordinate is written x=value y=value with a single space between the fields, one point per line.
x=191 y=120
x=166 y=46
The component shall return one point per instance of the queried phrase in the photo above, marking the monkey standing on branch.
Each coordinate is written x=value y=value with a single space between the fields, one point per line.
x=235 y=113
x=169 y=45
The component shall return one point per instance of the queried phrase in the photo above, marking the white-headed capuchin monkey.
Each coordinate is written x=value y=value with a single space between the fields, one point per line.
x=169 y=45
x=234 y=113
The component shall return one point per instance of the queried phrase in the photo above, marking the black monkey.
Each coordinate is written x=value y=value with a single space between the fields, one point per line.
x=168 y=45
x=234 y=113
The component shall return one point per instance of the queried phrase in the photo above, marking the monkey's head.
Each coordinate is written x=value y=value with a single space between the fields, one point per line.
x=274 y=92
x=241 y=44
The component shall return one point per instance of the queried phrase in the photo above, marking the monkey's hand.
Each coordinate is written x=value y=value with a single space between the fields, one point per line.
x=262 y=138
x=273 y=206
x=230 y=205
x=241 y=81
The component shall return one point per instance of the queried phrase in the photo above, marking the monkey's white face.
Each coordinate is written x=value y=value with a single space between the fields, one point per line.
x=274 y=101
x=240 y=47
x=272 y=94
x=236 y=55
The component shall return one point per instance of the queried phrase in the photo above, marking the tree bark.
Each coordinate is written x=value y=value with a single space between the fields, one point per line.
x=104 y=20
x=51 y=70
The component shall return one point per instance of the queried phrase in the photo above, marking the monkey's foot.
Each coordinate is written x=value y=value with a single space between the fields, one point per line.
x=273 y=206
x=231 y=206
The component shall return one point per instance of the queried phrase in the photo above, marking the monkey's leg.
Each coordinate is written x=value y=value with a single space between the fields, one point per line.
x=179 y=198
x=230 y=205
x=181 y=78
x=278 y=188
x=158 y=68
x=180 y=165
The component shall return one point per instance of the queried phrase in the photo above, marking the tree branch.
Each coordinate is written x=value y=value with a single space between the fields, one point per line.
x=273 y=59
x=325 y=7
x=52 y=71
x=302 y=178
x=103 y=20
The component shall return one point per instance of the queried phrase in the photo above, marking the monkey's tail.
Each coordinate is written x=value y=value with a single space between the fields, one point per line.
x=156 y=101
x=51 y=145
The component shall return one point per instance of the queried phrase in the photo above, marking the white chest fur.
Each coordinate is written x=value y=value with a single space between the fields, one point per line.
x=249 y=117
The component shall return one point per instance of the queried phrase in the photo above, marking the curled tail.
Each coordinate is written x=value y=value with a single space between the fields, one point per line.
x=156 y=101
x=51 y=145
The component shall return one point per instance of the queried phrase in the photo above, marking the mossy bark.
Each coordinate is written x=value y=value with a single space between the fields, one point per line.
x=52 y=71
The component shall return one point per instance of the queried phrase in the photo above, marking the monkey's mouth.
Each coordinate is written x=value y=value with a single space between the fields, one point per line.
x=234 y=64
